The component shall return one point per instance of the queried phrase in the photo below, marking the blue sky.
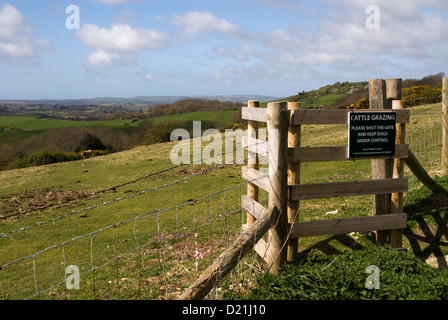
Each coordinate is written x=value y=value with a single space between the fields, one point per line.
x=128 y=48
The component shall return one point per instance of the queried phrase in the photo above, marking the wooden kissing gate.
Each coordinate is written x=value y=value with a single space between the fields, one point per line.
x=285 y=154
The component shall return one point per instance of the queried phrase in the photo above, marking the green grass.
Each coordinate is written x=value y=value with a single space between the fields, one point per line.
x=343 y=277
x=326 y=100
x=31 y=123
x=223 y=116
x=178 y=226
x=30 y=126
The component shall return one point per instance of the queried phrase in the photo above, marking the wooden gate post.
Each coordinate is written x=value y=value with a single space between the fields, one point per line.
x=380 y=169
x=382 y=95
x=278 y=123
x=393 y=91
x=252 y=160
x=396 y=203
x=294 y=141
x=445 y=126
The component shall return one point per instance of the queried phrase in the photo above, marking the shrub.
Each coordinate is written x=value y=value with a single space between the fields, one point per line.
x=41 y=158
x=161 y=132
x=362 y=104
x=343 y=277
x=422 y=94
x=90 y=142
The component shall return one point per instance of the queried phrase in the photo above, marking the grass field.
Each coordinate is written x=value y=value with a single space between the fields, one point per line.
x=67 y=188
x=31 y=123
x=224 y=116
x=18 y=128
x=326 y=100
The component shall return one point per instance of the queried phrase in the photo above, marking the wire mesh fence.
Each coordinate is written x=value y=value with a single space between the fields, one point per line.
x=424 y=136
x=153 y=254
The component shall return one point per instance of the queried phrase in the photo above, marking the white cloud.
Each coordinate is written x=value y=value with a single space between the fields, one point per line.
x=121 y=38
x=103 y=59
x=12 y=22
x=195 y=21
x=241 y=52
x=16 y=41
x=149 y=77
x=119 y=43
x=338 y=46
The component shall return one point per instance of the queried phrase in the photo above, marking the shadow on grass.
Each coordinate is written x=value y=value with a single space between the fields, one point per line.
x=326 y=246
x=427 y=229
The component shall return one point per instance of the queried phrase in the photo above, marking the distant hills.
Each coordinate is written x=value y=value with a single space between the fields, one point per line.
x=138 y=102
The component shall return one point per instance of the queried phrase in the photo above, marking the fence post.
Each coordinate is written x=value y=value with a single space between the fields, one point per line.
x=393 y=91
x=445 y=126
x=380 y=169
x=294 y=141
x=252 y=160
x=396 y=203
x=278 y=123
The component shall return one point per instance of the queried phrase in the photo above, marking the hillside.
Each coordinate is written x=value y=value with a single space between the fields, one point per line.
x=332 y=95
x=348 y=94
x=136 y=204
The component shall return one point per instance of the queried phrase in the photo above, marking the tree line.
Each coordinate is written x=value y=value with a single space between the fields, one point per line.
x=178 y=107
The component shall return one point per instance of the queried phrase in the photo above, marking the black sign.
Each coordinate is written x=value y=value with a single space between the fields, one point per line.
x=371 y=134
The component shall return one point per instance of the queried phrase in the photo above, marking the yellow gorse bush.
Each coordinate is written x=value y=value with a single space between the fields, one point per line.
x=421 y=94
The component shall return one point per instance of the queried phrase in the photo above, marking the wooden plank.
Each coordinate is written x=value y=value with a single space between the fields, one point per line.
x=257 y=146
x=261 y=247
x=256 y=177
x=336 y=116
x=278 y=123
x=252 y=206
x=336 y=153
x=393 y=91
x=252 y=161
x=348 y=188
x=347 y=225
x=381 y=168
x=396 y=201
x=444 y=125
x=230 y=257
x=254 y=114
x=294 y=141
x=418 y=170
x=377 y=94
